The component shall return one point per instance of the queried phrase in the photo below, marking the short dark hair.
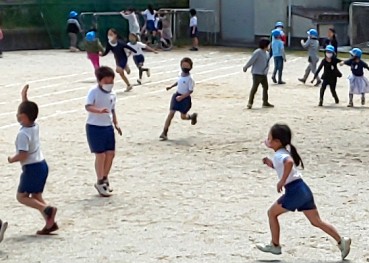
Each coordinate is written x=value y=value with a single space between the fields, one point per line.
x=193 y=12
x=103 y=72
x=264 y=43
x=187 y=60
x=30 y=109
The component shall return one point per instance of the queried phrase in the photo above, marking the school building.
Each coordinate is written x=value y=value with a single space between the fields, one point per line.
x=244 y=21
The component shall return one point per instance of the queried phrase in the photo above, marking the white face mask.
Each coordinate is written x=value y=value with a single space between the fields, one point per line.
x=329 y=55
x=279 y=28
x=107 y=87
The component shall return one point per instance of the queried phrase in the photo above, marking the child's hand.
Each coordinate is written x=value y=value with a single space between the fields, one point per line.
x=104 y=110
x=100 y=54
x=168 y=88
x=302 y=42
x=179 y=98
x=119 y=130
x=244 y=69
x=24 y=93
x=268 y=162
x=10 y=159
x=280 y=186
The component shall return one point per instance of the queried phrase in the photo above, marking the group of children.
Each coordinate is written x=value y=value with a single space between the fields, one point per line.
x=259 y=61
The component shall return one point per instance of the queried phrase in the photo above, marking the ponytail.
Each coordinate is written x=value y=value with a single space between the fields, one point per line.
x=295 y=156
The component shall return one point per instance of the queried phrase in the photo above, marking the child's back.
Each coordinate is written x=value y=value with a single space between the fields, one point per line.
x=312 y=46
x=94 y=46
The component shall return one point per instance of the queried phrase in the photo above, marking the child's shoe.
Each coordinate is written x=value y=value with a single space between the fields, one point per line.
x=249 y=106
x=3 y=227
x=163 y=137
x=148 y=73
x=320 y=103
x=270 y=248
x=336 y=100
x=106 y=181
x=193 y=118
x=363 y=101
x=318 y=83
x=274 y=79
x=281 y=82
x=350 y=105
x=139 y=81
x=102 y=189
x=302 y=80
x=268 y=105
x=344 y=246
x=129 y=88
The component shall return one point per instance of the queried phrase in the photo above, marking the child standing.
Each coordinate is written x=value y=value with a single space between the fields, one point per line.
x=312 y=45
x=298 y=195
x=100 y=105
x=330 y=74
x=358 y=83
x=118 y=48
x=34 y=166
x=94 y=48
x=149 y=14
x=181 y=100
x=194 y=30
x=134 y=27
x=280 y=27
x=278 y=55
x=260 y=66
x=138 y=57
x=73 y=29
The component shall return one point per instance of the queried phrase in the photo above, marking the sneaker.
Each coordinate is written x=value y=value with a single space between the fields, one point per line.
x=350 y=105
x=302 y=80
x=163 y=137
x=274 y=80
x=48 y=231
x=337 y=101
x=344 y=246
x=193 y=118
x=129 y=88
x=108 y=186
x=281 y=82
x=3 y=227
x=268 y=105
x=103 y=190
x=320 y=103
x=194 y=49
x=139 y=81
x=318 y=83
x=363 y=101
x=148 y=73
x=270 y=248
x=249 y=106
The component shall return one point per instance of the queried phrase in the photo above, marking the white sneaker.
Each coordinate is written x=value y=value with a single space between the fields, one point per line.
x=148 y=73
x=344 y=246
x=3 y=227
x=103 y=190
x=129 y=88
x=270 y=248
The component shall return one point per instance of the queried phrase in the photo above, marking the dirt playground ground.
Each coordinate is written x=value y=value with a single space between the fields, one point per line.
x=203 y=195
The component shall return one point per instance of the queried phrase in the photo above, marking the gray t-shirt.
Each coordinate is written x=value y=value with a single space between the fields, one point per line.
x=259 y=62
x=134 y=27
x=312 y=45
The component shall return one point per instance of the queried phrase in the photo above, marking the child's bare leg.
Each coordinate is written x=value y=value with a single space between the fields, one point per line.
x=120 y=71
x=50 y=216
x=168 y=122
x=100 y=165
x=109 y=157
x=314 y=218
x=273 y=213
x=185 y=116
x=195 y=42
x=25 y=199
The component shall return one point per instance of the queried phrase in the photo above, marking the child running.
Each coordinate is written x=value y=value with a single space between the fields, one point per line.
x=118 y=47
x=138 y=57
x=34 y=166
x=134 y=27
x=194 y=30
x=358 y=83
x=297 y=196
x=100 y=106
x=330 y=74
x=94 y=49
x=181 y=100
x=312 y=45
x=278 y=55
x=260 y=66
x=73 y=29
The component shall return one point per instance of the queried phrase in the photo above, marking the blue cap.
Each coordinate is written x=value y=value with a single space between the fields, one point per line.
x=356 y=52
x=90 y=36
x=313 y=32
x=330 y=49
x=279 y=24
x=276 y=33
x=73 y=14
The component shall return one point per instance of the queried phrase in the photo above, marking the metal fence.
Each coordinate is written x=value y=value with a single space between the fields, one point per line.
x=359 y=21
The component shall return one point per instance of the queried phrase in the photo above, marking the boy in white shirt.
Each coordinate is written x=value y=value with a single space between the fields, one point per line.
x=181 y=100
x=100 y=105
x=194 y=31
x=34 y=166
x=138 y=57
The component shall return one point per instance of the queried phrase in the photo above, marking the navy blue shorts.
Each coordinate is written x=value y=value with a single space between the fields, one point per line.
x=122 y=63
x=150 y=26
x=139 y=60
x=100 y=138
x=298 y=196
x=182 y=106
x=33 y=178
x=191 y=32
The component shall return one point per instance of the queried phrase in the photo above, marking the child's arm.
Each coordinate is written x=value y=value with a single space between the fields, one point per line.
x=305 y=44
x=115 y=122
x=268 y=162
x=346 y=62
x=288 y=164
x=94 y=109
x=283 y=53
x=19 y=157
x=174 y=85
x=251 y=61
x=318 y=70
x=22 y=144
x=107 y=50
x=124 y=15
x=100 y=46
x=130 y=48
x=24 y=93
x=149 y=48
x=365 y=65
x=183 y=96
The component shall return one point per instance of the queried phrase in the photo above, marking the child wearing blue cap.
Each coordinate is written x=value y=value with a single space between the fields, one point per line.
x=73 y=29
x=358 y=83
x=312 y=45
x=278 y=55
x=94 y=48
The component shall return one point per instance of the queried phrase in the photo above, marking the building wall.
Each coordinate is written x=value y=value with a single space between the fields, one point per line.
x=208 y=5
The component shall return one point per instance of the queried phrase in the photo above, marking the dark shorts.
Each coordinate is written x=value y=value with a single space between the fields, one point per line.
x=182 y=106
x=139 y=60
x=100 y=138
x=191 y=32
x=33 y=178
x=150 y=26
x=122 y=63
x=298 y=196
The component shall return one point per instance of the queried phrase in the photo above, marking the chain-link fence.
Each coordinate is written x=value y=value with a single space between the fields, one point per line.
x=359 y=21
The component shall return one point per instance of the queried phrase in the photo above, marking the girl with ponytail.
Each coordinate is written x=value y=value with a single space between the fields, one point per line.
x=297 y=196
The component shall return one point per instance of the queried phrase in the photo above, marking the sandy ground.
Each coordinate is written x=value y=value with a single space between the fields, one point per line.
x=203 y=195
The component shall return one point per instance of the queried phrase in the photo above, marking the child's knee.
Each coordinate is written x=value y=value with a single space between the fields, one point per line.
x=184 y=116
x=20 y=197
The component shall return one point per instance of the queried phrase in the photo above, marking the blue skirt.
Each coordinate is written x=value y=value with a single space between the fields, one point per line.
x=182 y=106
x=100 y=138
x=150 y=26
x=33 y=178
x=298 y=196
x=139 y=60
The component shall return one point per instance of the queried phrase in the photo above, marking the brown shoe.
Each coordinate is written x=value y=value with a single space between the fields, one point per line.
x=193 y=118
x=48 y=231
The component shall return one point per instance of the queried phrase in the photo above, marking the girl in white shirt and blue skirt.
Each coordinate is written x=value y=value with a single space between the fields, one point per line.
x=181 y=100
x=297 y=196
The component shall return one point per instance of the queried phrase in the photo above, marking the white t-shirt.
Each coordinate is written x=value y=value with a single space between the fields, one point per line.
x=101 y=99
x=148 y=15
x=279 y=158
x=185 y=84
x=193 y=21
x=28 y=140
x=134 y=27
x=138 y=47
